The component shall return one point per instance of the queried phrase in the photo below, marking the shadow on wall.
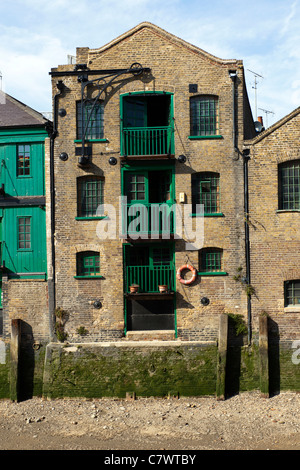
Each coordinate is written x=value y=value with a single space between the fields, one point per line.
x=273 y=358
x=26 y=363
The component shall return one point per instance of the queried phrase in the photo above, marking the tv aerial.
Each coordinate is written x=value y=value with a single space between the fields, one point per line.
x=266 y=111
x=255 y=88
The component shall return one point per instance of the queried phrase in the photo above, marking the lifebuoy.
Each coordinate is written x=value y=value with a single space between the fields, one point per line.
x=187 y=281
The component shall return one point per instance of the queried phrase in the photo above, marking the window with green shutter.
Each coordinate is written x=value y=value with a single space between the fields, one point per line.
x=204 y=115
x=24 y=233
x=206 y=191
x=292 y=293
x=23 y=160
x=88 y=264
x=289 y=185
x=90 y=119
x=90 y=196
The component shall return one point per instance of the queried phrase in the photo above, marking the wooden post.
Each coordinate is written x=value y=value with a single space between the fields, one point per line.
x=263 y=356
x=222 y=354
x=14 y=359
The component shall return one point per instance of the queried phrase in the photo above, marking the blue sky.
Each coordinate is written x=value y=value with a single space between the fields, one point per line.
x=36 y=36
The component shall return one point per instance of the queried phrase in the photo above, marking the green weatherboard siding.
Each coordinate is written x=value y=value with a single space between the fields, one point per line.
x=23 y=227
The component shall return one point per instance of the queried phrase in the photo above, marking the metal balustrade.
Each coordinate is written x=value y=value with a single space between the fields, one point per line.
x=141 y=141
x=148 y=278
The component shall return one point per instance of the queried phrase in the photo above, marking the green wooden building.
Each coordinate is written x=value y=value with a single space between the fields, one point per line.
x=22 y=193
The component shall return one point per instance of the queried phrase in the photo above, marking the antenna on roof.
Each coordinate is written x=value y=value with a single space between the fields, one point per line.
x=266 y=112
x=255 y=88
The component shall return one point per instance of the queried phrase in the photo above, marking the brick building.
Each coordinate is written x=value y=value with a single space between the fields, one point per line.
x=274 y=204
x=149 y=123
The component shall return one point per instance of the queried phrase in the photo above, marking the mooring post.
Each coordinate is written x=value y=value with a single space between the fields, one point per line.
x=263 y=356
x=222 y=354
x=14 y=359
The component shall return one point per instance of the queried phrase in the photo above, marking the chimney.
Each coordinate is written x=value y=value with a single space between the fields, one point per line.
x=260 y=119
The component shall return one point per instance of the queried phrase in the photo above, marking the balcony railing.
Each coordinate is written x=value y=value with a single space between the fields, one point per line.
x=141 y=141
x=148 y=219
x=148 y=278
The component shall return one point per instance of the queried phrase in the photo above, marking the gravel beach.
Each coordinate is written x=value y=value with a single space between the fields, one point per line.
x=243 y=422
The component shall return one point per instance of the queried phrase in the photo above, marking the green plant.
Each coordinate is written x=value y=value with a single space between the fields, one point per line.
x=61 y=316
x=249 y=289
x=81 y=330
x=239 y=323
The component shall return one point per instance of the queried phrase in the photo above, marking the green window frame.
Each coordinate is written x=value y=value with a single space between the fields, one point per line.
x=92 y=116
x=211 y=261
x=23 y=160
x=24 y=233
x=206 y=191
x=204 y=115
x=289 y=185
x=88 y=264
x=292 y=293
x=89 y=196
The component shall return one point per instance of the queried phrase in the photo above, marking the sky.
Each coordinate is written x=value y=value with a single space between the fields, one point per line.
x=36 y=36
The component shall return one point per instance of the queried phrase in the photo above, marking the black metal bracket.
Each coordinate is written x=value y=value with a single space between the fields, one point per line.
x=101 y=84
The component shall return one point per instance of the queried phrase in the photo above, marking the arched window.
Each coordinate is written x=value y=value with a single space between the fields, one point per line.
x=211 y=260
x=89 y=196
x=292 y=293
x=206 y=191
x=204 y=115
x=289 y=185
x=88 y=264
x=90 y=120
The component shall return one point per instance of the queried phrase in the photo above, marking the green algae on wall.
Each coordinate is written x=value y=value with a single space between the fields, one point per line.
x=4 y=371
x=99 y=371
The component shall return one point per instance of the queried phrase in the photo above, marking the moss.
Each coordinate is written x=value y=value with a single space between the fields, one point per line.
x=113 y=371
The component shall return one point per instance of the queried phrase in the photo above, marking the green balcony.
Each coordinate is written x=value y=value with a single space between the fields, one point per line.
x=147 y=141
x=149 y=278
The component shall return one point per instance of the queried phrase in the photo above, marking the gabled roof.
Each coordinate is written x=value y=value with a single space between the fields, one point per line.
x=168 y=36
x=13 y=113
x=274 y=127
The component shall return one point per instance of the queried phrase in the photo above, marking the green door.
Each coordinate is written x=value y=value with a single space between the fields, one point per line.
x=136 y=190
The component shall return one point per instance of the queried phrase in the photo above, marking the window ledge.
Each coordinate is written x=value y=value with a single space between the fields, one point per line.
x=287 y=210
x=100 y=217
x=216 y=214
x=216 y=273
x=203 y=137
x=292 y=309
x=89 y=277
x=78 y=141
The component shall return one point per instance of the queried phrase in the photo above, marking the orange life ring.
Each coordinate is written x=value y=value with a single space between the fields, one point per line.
x=188 y=281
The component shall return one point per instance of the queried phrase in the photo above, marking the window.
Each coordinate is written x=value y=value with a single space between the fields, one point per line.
x=210 y=260
x=204 y=115
x=206 y=191
x=289 y=185
x=91 y=118
x=24 y=233
x=23 y=160
x=88 y=264
x=292 y=293
x=90 y=196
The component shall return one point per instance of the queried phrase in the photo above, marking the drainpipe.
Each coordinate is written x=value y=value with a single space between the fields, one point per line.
x=52 y=300
x=233 y=76
x=246 y=157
